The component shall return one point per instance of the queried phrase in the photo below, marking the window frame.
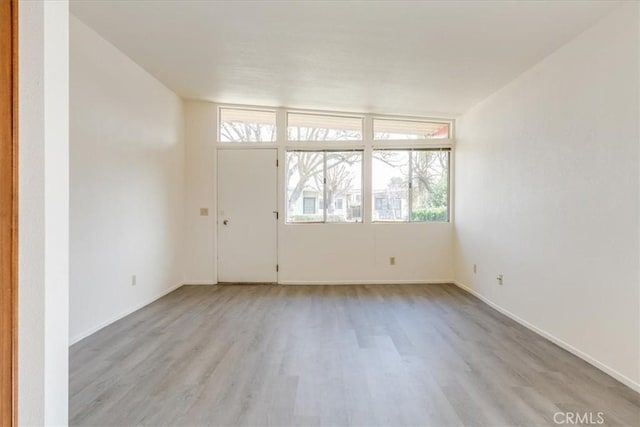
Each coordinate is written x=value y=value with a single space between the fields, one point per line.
x=449 y=123
x=323 y=114
x=324 y=186
x=245 y=143
x=410 y=179
x=367 y=146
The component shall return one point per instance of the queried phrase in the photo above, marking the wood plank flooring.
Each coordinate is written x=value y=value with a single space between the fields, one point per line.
x=365 y=355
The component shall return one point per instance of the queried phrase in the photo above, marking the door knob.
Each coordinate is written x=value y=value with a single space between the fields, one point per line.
x=225 y=222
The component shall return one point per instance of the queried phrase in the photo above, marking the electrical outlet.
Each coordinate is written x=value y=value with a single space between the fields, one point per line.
x=475 y=269
x=392 y=260
x=134 y=280
x=500 y=279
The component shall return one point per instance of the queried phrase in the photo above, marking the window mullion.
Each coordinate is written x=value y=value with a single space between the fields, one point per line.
x=324 y=188
x=410 y=198
x=449 y=186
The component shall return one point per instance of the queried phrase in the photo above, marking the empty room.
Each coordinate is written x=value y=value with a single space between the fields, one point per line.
x=320 y=213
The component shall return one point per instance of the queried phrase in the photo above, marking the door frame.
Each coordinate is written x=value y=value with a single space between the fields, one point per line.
x=9 y=212
x=217 y=204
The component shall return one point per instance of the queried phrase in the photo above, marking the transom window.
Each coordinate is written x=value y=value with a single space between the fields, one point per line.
x=389 y=129
x=240 y=125
x=321 y=127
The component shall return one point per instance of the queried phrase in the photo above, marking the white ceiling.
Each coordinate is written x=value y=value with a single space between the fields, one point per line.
x=396 y=57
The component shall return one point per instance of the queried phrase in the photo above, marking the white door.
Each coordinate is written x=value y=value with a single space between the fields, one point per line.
x=247 y=224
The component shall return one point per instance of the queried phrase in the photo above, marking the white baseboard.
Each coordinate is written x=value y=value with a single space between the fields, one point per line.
x=571 y=349
x=199 y=282
x=364 y=282
x=127 y=312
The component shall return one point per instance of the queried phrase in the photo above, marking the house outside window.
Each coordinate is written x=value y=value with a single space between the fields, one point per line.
x=309 y=205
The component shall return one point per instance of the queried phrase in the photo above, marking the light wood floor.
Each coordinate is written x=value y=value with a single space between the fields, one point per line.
x=376 y=355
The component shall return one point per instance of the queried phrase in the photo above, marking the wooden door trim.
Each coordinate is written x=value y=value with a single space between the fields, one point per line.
x=9 y=211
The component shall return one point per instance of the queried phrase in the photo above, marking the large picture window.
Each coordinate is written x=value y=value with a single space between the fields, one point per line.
x=332 y=159
x=324 y=186
x=410 y=185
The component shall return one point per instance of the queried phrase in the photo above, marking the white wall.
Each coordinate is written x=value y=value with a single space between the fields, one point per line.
x=43 y=217
x=359 y=253
x=127 y=190
x=200 y=185
x=307 y=253
x=547 y=194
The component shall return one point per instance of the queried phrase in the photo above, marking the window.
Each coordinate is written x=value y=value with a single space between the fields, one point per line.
x=317 y=127
x=407 y=163
x=380 y=202
x=238 y=125
x=408 y=129
x=390 y=185
x=328 y=180
x=309 y=205
x=410 y=185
